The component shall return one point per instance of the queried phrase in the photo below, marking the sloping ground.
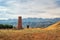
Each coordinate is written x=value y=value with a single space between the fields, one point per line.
x=32 y=33
x=54 y=26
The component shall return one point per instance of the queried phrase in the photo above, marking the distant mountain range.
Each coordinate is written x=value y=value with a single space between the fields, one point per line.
x=32 y=22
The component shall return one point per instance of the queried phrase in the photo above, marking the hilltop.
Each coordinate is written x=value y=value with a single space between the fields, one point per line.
x=54 y=26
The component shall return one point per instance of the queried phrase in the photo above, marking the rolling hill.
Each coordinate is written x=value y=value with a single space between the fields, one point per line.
x=54 y=26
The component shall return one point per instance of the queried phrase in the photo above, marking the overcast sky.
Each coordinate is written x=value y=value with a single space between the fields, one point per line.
x=29 y=8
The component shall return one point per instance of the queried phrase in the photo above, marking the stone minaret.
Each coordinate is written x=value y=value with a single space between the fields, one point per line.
x=19 y=22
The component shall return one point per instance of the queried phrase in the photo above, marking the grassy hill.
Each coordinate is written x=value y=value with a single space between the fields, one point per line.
x=50 y=33
x=54 y=26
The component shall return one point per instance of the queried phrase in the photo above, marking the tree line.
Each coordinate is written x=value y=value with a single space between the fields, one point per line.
x=6 y=26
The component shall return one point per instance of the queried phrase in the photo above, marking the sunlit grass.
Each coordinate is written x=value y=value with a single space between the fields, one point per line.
x=29 y=34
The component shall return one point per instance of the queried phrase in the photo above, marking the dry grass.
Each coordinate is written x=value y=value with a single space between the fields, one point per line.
x=30 y=34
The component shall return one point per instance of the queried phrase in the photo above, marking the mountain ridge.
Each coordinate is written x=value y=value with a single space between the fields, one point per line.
x=32 y=22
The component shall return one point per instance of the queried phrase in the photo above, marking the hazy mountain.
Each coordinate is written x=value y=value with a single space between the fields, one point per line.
x=32 y=22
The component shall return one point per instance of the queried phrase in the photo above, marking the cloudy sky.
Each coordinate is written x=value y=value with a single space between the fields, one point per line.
x=29 y=8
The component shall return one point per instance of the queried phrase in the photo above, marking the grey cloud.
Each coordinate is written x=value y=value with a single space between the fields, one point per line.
x=48 y=8
x=58 y=14
x=29 y=7
x=36 y=11
x=25 y=1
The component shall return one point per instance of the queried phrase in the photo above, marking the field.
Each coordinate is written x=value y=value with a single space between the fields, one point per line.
x=32 y=33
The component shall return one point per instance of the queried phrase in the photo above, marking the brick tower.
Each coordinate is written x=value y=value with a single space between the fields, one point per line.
x=19 y=22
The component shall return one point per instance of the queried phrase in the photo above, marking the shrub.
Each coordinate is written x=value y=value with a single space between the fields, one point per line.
x=5 y=26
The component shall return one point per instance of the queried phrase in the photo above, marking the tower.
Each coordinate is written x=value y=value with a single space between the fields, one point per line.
x=19 y=22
